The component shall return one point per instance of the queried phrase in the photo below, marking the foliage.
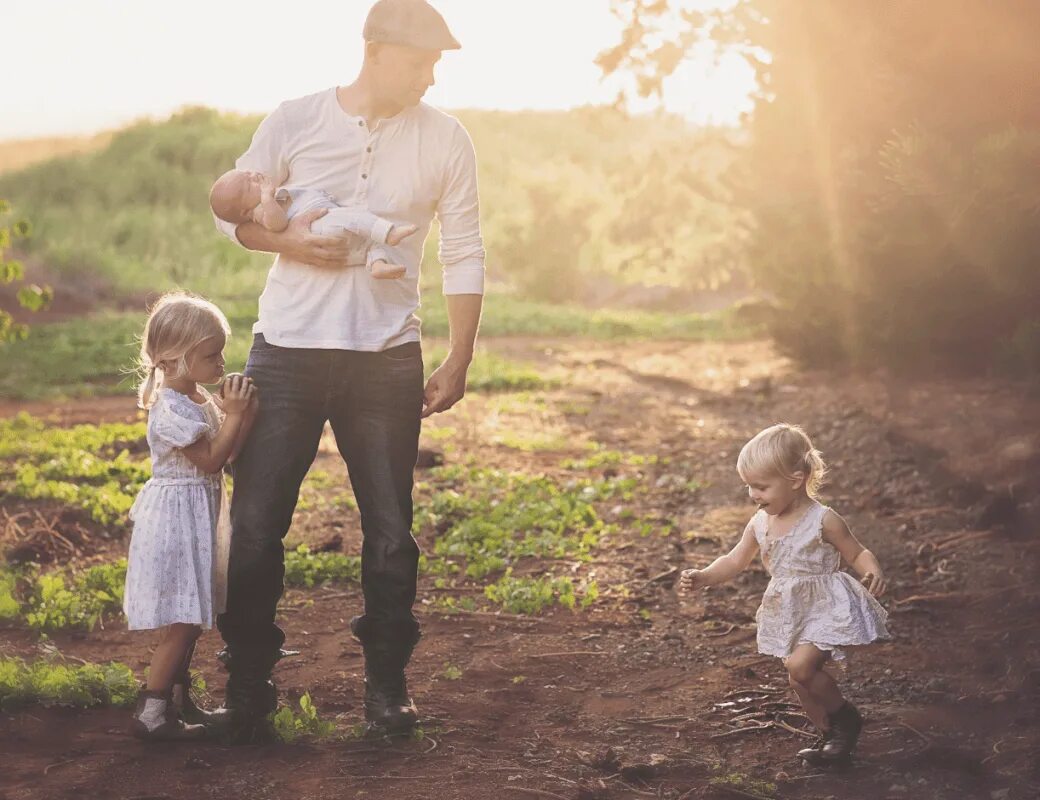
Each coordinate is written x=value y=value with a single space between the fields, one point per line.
x=59 y=600
x=306 y=724
x=88 y=467
x=484 y=520
x=894 y=221
x=532 y=595
x=50 y=684
x=95 y=354
x=304 y=568
x=490 y=372
x=571 y=201
x=29 y=296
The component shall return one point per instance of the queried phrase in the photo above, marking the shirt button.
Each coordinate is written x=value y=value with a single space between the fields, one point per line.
x=368 y=149
x=361 y=123
x=364 y=176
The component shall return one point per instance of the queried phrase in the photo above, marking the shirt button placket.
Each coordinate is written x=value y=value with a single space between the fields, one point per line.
x=366 y=167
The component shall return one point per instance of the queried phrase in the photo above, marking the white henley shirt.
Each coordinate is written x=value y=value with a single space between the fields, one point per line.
x=408 y=168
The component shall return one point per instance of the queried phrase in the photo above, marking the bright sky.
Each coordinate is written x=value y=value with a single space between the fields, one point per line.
x=88 y=65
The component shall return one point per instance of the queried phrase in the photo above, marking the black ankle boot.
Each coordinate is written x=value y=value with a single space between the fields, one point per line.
x=388 y=707
x=812 y=753
x=250 y=697
x=846 y=724
x=191 y=712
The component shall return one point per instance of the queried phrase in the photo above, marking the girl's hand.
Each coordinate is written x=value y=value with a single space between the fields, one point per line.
x=690 y=579
x=238 y=392
x=875 y=583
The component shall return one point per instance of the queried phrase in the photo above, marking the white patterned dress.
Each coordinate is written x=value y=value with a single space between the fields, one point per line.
x=809 y=600
x=177 y=570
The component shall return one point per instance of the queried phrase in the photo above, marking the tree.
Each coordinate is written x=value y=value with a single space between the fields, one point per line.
x=30 y=296
x=891 y=172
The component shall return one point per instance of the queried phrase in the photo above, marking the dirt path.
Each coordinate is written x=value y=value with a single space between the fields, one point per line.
x=618 y=701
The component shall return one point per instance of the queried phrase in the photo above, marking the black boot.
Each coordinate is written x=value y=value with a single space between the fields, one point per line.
x=388 y=708
x=250 y=698
x=812 y=752
x=846 y=724
x=191 y=712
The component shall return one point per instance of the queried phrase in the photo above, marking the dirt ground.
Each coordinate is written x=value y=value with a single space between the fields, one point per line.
x=635 y=696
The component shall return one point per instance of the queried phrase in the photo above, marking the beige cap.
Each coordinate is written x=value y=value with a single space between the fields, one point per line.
x=411 y=22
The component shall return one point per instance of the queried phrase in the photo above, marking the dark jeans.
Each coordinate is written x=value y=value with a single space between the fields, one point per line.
x=373 y=401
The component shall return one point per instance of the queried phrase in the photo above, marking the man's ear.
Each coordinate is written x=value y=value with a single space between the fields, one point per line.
x=372 y=51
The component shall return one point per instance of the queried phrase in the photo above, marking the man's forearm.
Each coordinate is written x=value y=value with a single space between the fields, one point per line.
x=463 y=321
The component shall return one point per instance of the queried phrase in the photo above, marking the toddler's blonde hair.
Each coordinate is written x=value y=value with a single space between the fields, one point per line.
x=177 y=323
x=783 y=450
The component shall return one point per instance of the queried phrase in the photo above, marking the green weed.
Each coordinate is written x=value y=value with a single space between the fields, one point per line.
x=304 y=568
x=49 y=684
x=292 y=727
x=532 y=595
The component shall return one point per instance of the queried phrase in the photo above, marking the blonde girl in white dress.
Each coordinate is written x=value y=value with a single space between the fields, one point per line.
x=176 y=576
x=810 y=609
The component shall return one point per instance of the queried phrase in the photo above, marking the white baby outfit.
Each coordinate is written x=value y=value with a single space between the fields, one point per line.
x=177 y=570
x=809 y=600
x=339 y=218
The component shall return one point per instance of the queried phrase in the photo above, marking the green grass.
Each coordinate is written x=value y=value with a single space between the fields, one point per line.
x=95 y=355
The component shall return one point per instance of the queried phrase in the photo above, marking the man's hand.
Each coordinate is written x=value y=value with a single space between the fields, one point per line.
x=305 y=247
x=446 y=386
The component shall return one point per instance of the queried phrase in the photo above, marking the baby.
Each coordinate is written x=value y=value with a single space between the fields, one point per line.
x=240 y=196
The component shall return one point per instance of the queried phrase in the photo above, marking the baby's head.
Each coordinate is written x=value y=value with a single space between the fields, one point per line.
x=184 y=336
x=778 y=465
x=234 y=195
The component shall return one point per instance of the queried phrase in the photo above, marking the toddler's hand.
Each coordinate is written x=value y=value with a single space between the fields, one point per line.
x=690 y=579
x=876 y=584
x=238 y=392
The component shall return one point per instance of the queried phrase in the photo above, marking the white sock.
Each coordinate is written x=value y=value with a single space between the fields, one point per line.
x=153 y=714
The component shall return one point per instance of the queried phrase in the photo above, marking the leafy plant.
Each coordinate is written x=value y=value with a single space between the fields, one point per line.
x=532 y=595
x=57 y=600
x=49 y=684
x=304 y=568
x=30 y=296
x=306 y=724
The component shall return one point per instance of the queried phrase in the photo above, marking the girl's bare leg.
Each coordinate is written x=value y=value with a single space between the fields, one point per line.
x=816 y=690
x=175 y=641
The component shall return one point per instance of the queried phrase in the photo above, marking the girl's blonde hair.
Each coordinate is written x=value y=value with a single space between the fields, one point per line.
x=783 y=450
x=176 y=324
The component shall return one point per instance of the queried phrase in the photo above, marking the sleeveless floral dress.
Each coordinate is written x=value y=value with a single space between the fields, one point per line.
x=809 y=600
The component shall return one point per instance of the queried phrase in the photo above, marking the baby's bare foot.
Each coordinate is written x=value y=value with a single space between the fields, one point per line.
x=385 y=271
x=399 y=233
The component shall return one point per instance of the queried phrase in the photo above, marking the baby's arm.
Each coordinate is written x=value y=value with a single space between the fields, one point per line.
x=724 y=568
x=210 y=455
x=836 y=532
x=270 y=213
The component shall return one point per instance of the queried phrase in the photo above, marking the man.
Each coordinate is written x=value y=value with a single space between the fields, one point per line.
x=333 y=343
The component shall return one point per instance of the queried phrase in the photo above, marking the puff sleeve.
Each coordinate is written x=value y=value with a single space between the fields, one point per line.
x=179 y=422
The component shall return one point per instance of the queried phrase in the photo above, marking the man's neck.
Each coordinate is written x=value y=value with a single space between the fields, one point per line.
x=360 y=100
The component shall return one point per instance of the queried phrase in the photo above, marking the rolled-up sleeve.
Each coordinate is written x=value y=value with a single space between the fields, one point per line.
x=267 y=155
x=461 y=245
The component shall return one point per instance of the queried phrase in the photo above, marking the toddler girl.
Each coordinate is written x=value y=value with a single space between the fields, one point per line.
x=239 y=196
x=810 y=609
x=176 y=580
